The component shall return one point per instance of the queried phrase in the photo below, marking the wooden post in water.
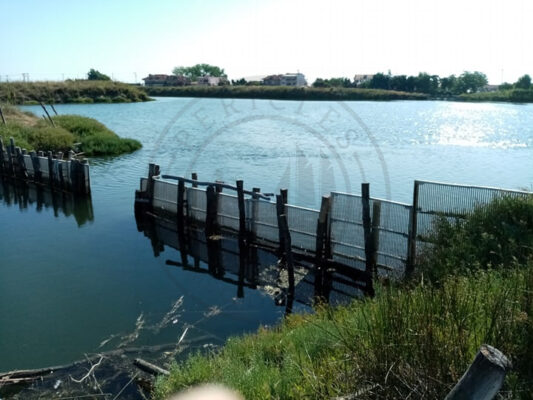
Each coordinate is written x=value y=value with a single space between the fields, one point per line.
x=411 y=242
x=194 y=177
x=211 y=211
x=242 y=213
x=255 y=214
x=50 y=169
x=150 y=185
x=22 y=171
x=376 y=220
x=484 y=377
x=281 y=200
x=36 y=167
x=180 y=206
x=367 y=228
x=10 y=152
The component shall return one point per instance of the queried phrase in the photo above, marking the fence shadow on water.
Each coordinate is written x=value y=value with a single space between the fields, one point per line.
x=253 y=267
x=14 y=193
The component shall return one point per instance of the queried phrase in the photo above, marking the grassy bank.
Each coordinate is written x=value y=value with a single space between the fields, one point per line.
x=70 y=132
x=510 y=96
x=81 y=91
x=412 y=340
x=282 y=93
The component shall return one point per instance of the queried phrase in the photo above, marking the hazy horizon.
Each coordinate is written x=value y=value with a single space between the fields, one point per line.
x=128 y=40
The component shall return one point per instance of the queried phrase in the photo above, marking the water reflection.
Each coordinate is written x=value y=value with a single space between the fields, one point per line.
x=228 y=260
x=26 y=195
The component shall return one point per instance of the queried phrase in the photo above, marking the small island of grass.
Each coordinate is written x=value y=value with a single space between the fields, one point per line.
x=63 y=133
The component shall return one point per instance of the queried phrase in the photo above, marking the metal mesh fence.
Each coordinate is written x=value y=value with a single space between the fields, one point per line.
x=347 y=239
x=165 y=196
x=346 y=228
x=228 y=211
x=302 y=226
x=265 y=226
x=452 y=201
x=196 y=204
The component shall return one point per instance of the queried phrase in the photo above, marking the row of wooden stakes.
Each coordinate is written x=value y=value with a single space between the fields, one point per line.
x=70 y=174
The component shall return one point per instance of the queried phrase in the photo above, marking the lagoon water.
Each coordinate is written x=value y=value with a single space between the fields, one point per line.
x=69 y=284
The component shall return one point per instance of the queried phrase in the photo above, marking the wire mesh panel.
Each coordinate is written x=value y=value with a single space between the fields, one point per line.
x=393 y=234
x=196 y=204
x=228 y=211
x=265 y=224
x=346 y=228
x=452 y=201
x=302 y=226
x=165 y=196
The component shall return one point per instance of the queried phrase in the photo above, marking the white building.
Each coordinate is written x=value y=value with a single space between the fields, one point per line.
x=296 y=79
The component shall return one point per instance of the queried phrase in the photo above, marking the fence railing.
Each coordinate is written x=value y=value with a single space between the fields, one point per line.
x=68 y=174
x=370 y=234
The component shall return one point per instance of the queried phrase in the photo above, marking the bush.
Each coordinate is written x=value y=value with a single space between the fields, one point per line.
x=497 y=235
x=102 y=145
x=52 y=139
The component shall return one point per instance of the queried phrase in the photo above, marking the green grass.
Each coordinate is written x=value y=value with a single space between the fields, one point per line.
x=94 y=138
x=282 y=93
x=412 y=340
x=510 y=95
x=79 y=91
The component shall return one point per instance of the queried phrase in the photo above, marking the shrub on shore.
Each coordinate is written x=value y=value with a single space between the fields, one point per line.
x=282 y=93
x=94 y=138
x=409 y=341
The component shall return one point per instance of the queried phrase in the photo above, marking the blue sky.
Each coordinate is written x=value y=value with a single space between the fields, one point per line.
x=128 y=39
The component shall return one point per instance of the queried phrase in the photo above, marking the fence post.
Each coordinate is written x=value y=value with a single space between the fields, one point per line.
x=411 y=242
x=194 y=177
x=484 y=378
x=211 y=210
x=376 y=219
x=367 y=228
x=255 y=213
x=50 y=169
x=281 y=200
x=242 y=213
x=150 y=183
x=179 y=210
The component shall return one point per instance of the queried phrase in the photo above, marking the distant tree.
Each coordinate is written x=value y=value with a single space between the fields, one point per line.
x=380 y=81
x=332 y=82
x=198 y=70
x=447 y=84
x=238 y=82
x=399 y=82
x=524 y=82
x=410 y=83
x=505 y=86
x=470 y=82
x=94 y=75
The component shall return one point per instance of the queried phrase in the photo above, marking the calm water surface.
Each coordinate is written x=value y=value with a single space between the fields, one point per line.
x=70 y=283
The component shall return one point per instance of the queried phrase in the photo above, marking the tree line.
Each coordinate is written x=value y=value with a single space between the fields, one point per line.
x=467 y=82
